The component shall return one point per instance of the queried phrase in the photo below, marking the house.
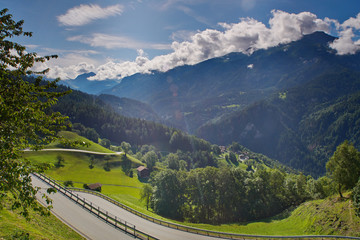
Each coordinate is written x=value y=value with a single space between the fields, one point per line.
x=143 y=172
x=222 y=149
x=94 y=187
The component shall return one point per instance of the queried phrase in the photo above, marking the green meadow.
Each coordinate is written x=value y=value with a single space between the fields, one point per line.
x=14 y=226
x=329 y=216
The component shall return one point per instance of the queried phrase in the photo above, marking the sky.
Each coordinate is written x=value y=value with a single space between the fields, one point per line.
x=115 y=39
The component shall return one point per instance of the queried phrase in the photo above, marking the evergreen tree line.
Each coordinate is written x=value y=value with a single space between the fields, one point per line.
x=93 y=118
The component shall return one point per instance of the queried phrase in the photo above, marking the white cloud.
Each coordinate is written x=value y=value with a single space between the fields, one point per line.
x=85 y=14
x=112 y=42
x=345 y=43
x=246 y=36
x=68 y=65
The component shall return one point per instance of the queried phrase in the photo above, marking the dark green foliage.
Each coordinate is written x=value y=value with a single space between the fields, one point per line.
x=105 y=143
x=59 y=161
x=232 y=158
x=213 y=195
x=69 y=183
x=126 y=165
x=356 y=198
x=92 y=161
x=107 y=166
x=125 y=147
x=146 y=194
x=130 y=108
x=25 y=118
x=344 y=166
x=300 y=129
x=150 y=159
x=173 y=161
x=168 y=197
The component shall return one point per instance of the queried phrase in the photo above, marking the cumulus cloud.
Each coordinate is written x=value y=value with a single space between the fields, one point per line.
x=246 y=36
x=345 y=43
x=84 y=14
x=69 y=65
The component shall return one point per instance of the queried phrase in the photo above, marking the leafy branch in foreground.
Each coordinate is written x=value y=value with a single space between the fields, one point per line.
x=25 y=118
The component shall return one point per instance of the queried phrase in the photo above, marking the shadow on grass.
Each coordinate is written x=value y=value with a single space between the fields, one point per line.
x=143 y=180
x=281 y=216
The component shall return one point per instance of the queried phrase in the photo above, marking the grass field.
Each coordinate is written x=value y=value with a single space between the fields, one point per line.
x=14 y=226
x=330 y=216
x=76 y=169
x=74 y=137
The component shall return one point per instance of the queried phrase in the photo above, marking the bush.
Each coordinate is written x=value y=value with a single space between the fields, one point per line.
x=356 y=198
x=68 y=183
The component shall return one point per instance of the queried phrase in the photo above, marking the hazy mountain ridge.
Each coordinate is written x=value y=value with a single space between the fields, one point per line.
x=82 y=83
x=264 y=101
x=189 y=96
x=301 y=126
x=130 y=108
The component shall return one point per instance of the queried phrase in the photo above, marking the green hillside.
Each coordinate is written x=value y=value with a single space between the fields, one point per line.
x=330 y=216
x=14 y=226
x=75 y=137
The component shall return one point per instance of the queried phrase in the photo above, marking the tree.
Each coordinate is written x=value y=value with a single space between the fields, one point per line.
x=168 y=194
x=344 y=166
x=125 y=147
x=146 y=194
x=150 y=159
x=233 y=158
x=105 y=143
x=126 y=164
x=59 y=161
x=25 y=118
x=173 y=161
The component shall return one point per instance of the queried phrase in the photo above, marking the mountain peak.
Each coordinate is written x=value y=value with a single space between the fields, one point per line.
x=317 y=37
x=85 y=76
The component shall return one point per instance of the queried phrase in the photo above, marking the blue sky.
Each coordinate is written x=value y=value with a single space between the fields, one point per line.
x=115 y=39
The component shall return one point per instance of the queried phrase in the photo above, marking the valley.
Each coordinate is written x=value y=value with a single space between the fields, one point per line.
x=309 y=218
x=250 y=132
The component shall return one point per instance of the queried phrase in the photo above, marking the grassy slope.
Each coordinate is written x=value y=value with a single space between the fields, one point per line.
x=12 y=226
x=74 y=137
x=329 y=216
x=319 y=217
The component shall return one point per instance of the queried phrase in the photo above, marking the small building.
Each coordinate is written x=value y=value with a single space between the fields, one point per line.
x=95 y=187
x=143 y=172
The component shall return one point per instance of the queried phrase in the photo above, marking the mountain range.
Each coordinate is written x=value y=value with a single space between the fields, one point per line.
x=294 y=102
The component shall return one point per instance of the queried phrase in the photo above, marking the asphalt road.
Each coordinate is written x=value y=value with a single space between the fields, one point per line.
x=74 y=150
x=78 y=218
x=153 y=229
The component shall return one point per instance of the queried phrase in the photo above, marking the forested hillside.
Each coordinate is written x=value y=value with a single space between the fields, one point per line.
x=301 y=126
x=266 y=101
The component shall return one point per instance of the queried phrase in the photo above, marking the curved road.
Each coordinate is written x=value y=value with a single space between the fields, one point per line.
x=92 y=227
x=78 y=218
x=154 y=229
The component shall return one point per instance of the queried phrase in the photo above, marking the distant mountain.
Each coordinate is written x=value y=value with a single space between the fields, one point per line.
x=301 y=126
x=82 y=83
x=265 y=101
x=190 y=96
x=130 y=108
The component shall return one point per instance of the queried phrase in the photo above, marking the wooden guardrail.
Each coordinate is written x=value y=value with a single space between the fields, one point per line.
x=206 y=232
x=96 y=210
